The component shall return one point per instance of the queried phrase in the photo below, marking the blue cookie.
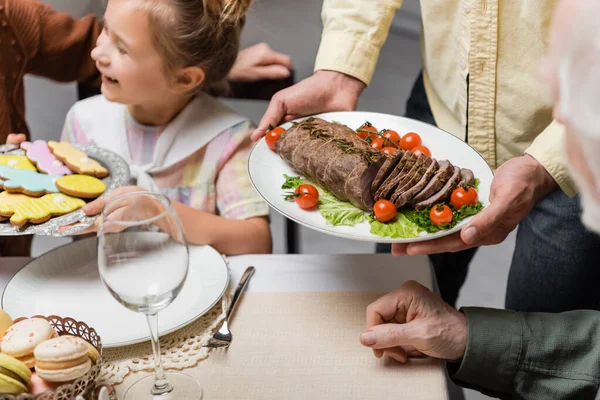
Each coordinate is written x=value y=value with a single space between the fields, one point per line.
x=27 y=182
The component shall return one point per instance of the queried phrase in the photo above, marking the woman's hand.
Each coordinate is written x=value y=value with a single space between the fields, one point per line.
x=260 y=62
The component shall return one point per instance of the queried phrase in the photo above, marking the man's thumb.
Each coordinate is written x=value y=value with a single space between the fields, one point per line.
x=386 y=336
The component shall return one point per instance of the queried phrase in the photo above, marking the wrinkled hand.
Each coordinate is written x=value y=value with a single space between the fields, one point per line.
x=412 y=317
x=518 y=186
x=16 y=138
x=260 y=62
x=324 y=91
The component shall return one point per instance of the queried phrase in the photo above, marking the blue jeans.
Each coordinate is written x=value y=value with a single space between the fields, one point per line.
x=556 y=263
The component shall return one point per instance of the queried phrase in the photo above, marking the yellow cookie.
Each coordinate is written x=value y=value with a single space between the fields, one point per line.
x=17 y=162
x=38 y=210
x=83 y=186
x=8 y=201
x=77 y=160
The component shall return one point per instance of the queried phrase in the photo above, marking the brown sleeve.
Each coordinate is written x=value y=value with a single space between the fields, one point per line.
x=62 y=44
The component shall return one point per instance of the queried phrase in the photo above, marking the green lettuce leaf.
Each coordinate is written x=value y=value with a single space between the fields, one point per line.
x=476 y=184
x=421 y=218
x=337 y=212
x=401 y=227
x=291 y=182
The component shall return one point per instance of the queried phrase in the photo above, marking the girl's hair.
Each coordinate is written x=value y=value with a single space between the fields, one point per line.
x=203 y=33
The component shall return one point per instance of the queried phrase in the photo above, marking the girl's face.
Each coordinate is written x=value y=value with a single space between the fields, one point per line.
x=132 y=70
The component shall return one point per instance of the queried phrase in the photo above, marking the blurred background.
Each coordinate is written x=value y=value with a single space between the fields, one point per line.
x=294 y=27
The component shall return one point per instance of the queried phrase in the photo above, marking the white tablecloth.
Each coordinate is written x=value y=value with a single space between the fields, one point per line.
x=297 y=298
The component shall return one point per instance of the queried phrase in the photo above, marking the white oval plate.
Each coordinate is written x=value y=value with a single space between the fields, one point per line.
x=266 y=171
x=66 y=282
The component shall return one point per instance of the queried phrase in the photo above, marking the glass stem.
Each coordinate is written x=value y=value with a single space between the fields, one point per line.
x=161 y=385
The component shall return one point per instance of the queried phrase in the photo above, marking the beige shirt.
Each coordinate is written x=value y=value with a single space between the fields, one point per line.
x=497 y=44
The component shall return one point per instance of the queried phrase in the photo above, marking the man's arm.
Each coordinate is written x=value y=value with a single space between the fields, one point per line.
x=548 y=150
x=353 y=33
x=531 y=355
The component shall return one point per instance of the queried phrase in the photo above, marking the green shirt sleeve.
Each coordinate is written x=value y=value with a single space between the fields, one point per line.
x=531 y=355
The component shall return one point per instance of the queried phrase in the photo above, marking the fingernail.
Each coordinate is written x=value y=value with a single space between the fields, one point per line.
x=368 y=338
x=471 y=235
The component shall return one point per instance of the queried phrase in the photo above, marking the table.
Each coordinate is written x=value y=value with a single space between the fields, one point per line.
x=296 y=331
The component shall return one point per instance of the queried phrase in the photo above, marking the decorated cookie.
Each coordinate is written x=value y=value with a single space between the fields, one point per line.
x=17 y=162
x=77 y=160
x=27 y=182
x=83 y=186
x=39 y=153
x=38 y=210
x=10 y=200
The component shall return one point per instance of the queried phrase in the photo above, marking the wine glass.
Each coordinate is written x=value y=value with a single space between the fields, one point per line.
x=143 y=260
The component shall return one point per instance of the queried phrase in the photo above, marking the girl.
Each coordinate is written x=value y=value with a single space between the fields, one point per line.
x=155 y=56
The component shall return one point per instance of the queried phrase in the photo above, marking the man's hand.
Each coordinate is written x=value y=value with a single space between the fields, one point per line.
x=518 y=186
x=412 y=317
x=260 y=62
x=324 y=91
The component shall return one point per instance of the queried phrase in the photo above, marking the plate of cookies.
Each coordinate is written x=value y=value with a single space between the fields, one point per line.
x=49 y=358
x=44 y=185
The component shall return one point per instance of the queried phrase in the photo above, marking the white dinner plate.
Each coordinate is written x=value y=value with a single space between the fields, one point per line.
x=266 y=171
x=66 y=282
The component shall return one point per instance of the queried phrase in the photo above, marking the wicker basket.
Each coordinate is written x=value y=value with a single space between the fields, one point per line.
x=82 y=386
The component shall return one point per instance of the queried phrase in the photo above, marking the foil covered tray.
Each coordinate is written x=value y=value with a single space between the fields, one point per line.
x=119 y=176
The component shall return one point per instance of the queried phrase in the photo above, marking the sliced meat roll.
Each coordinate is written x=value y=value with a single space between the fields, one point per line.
x=437 y=182
x=467 y=177
x=390 y=184
x=413 y=176
x=358 y=185
x=407 y=195
x=386 y=169
x=443 y=194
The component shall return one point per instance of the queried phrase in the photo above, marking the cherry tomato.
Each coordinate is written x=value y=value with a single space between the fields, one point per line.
x=464 y=196
x=306 y=196
x=418 y=150
x=410 y=140
x=272 y=136
x=378 y=143
x=391 y=135
x=367 y=127
x=440 y=214
x=389 y=150
x=384 y=210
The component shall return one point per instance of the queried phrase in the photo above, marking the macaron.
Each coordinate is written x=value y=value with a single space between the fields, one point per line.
x=5 y=322
x=22 y=338
x=92 y=352
x=62 y=359
x=14 y=375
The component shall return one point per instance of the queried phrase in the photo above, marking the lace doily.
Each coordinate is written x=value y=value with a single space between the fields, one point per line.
x=180 y=349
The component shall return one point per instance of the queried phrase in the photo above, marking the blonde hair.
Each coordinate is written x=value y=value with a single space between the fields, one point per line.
x=202 y=33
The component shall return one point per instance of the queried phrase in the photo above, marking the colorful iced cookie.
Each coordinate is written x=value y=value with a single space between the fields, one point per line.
x=39 y=153
x=10 y=200
x=77 y=160
x=39 y=210
x=83 y=186
x=17 y=162
x=27 y=182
